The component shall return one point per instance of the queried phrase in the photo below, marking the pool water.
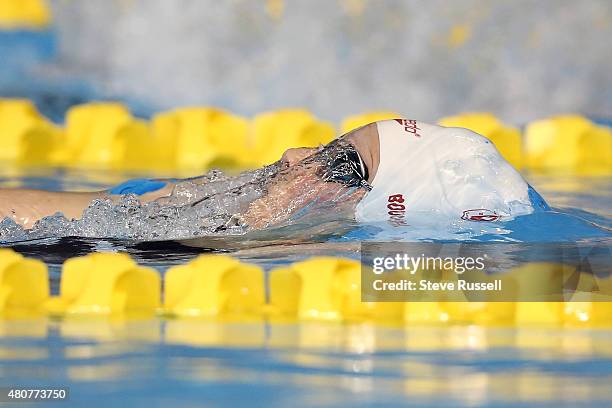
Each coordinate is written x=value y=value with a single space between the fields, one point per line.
x=183 y=362
x=195 y=363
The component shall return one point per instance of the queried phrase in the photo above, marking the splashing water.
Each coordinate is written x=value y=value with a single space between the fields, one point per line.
x=214 y=204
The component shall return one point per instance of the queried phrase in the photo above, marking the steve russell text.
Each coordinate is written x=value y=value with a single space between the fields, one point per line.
x=427 y=285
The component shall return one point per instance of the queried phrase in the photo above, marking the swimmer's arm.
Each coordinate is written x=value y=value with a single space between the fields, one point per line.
x=26 y=206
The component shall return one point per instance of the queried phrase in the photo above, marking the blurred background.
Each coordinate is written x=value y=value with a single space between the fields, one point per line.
x=520 y=60
x=177 y=87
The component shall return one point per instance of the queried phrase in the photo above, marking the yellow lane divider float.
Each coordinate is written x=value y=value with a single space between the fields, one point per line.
x=24 y=14
x=92 y=132
x=104 y=284
x=24 y=284
x=27 y=137
x=214 y=286
x=275 y=132
x=569 y=143
x=189 y=141
x=323 y=289
x=199 y=138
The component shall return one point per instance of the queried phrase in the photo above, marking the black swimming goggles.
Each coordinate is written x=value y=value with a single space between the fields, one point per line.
x=349 y=169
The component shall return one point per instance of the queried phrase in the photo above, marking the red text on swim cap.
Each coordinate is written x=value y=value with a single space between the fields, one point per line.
x=397 y=210
x=409 y=125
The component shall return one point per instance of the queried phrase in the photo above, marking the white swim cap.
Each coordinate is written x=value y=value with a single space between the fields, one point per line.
x=427 y=170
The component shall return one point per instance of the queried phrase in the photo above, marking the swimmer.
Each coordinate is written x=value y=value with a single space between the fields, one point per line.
x=396 y=170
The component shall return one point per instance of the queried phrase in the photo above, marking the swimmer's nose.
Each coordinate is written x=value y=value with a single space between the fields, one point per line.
x=292 y=156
